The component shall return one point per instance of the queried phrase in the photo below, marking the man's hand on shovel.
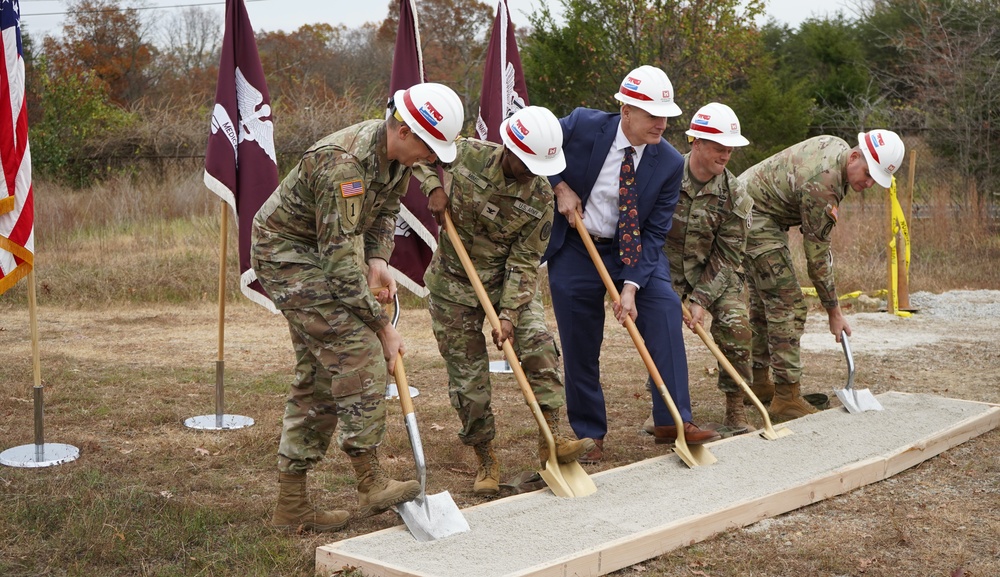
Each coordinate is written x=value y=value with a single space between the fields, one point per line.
x=380 y=281
x=694 y=315
x=437 y=203
x=506 y=332
x=625 y=307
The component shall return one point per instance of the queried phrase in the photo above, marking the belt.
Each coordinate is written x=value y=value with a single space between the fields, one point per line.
x=600 y=239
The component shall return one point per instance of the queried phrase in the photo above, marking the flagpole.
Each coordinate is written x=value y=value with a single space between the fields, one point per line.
x=220 y=420
x=40 y=454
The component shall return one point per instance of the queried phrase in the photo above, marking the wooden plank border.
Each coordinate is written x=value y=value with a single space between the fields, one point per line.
x=636 y=548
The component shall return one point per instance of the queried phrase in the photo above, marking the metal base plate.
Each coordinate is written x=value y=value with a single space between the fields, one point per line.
x=391 y=392
x=218 y=422
x=45 y=455
x=500 y=367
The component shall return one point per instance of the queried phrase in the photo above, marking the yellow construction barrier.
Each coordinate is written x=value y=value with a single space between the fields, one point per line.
x=897 y=227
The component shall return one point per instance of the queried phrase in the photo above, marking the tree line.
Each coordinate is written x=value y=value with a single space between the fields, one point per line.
x=120 y=86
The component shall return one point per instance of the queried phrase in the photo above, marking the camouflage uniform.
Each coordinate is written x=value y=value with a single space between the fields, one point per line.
x=799 y=186
x=705 y=247
x=504 y=227
x=303 y=251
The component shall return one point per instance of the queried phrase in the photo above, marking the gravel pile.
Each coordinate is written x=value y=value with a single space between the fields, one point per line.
x=958 y=304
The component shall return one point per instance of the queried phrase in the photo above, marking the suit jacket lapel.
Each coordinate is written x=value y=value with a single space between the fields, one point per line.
x=650 y=158
x=602 y=144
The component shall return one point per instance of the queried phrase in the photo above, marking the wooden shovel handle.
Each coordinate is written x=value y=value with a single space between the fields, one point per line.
x=491 y=314
x=402 y=387
x=730 y=369
x=633 y=331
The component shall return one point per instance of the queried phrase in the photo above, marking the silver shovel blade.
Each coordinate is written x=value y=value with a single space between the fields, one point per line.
x=858 y=400
x=436 y=517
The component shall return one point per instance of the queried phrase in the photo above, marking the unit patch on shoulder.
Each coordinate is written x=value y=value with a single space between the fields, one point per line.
x=351 y=188
x=524 y=207
x=831 y=211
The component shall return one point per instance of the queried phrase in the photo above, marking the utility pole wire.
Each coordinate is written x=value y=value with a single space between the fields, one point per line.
x=137 y=8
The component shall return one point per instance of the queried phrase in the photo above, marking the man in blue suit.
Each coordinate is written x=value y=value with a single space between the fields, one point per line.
x=624 y=178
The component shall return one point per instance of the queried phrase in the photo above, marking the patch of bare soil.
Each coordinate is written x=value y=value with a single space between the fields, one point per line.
x=119 y=384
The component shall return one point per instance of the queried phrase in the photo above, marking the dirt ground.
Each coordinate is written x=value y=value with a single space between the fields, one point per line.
x=939 y=518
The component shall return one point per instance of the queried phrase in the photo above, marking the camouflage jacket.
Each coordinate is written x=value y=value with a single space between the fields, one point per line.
x=803 y=186
x=344 y=186
x=706 y=242
x=503 y=225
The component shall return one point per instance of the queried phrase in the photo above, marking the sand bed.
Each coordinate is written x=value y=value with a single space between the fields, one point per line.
x=650 y=507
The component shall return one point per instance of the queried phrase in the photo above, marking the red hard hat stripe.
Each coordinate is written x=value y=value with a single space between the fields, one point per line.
x=871 y=149
x=517 y=141
x=708 y=129
x=634 y=94
x=420 y=118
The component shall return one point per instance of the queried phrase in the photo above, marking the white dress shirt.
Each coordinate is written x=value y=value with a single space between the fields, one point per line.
x=600 y=215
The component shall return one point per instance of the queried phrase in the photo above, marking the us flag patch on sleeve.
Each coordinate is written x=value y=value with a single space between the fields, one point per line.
x=352 y=188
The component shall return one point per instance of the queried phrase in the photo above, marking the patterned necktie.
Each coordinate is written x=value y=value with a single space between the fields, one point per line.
x=629 y=247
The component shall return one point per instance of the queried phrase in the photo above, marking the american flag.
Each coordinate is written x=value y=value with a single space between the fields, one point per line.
x=17 y=211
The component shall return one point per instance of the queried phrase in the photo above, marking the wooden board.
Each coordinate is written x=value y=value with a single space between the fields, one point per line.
x=843 y=448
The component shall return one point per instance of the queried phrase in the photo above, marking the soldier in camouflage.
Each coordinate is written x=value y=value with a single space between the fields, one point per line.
x=705 y=247
x=801 y=186
x=347 y=185
x=501 y=206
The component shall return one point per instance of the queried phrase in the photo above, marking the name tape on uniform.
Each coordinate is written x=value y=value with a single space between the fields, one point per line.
x=522 y=206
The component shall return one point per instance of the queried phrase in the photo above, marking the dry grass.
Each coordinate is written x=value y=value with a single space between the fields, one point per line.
x=127 y=277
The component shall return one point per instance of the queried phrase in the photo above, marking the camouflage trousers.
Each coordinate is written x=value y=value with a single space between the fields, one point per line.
x=731 y=331
x=340 y=376
x=777 y=308
x=459 y=332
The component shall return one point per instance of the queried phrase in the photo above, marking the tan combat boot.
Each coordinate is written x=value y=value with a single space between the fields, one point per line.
x=294 y=512
x=788 y=404
x=376 y=491
x=567 y=449
x=762 y=386
x=736 y=414
x=488 y=475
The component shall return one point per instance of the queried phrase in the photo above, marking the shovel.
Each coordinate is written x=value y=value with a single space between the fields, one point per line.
x=769 y=432
x=428 y=517
x=692 y=455
x=854 y=400
x=564 y=479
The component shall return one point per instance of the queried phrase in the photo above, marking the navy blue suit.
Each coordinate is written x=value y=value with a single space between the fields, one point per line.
x=578 y=292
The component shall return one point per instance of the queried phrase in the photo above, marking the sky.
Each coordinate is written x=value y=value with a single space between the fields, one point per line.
x=45 y=16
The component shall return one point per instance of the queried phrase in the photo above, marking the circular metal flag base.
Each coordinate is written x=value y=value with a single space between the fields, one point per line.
x=45 y=455
x=500 y=367
x=218 y=422
x=391 y=392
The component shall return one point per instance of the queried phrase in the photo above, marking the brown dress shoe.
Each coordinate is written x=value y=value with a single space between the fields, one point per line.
x=594 y=455
x=692 y=434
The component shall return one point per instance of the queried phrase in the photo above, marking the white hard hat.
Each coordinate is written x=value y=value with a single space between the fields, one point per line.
x=717 y=122
x=434 y=112
x=884 y=150
x=648 y=88
x=535 y=136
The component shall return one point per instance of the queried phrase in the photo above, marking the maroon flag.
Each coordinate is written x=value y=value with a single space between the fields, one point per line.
x=416 y=230
x=17 y=201
x=504 y=90
x=240 y=164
